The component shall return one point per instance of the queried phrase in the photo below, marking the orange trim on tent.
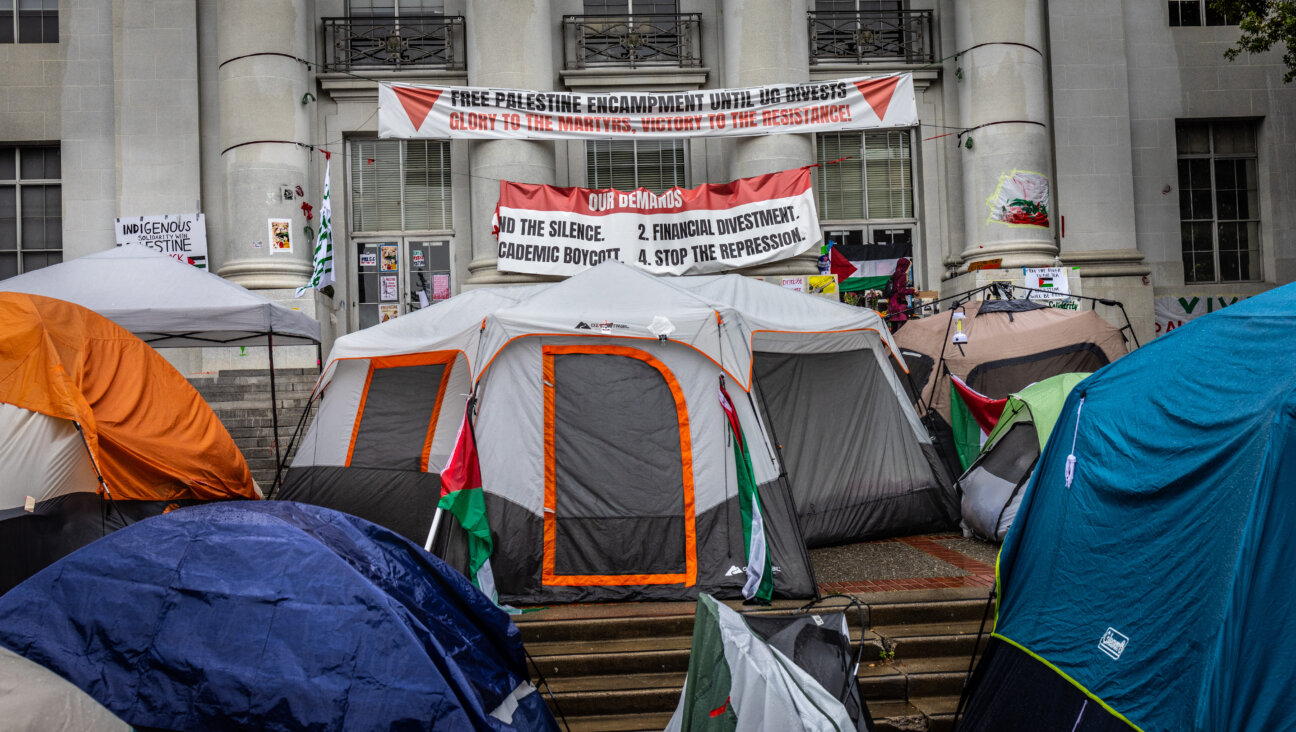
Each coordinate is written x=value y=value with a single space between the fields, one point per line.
x=425 y=358
x=548 y=574
x=737 y=379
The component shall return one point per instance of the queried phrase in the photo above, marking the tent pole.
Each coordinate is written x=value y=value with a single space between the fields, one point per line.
x=274 y=403
x=436 y=519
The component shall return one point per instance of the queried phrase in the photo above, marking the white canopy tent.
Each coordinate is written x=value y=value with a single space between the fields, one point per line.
x=170 y=304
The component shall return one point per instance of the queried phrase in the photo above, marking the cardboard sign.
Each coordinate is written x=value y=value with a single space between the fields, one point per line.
x=181 y=236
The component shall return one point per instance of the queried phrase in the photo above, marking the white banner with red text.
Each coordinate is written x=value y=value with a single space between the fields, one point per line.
x=420 y=111
x=711 y=228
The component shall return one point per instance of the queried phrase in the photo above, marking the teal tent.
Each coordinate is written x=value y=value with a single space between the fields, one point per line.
x=1146 y=582
x=991 y=489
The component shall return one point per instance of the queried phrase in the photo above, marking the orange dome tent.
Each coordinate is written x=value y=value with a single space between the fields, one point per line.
x=90 y=412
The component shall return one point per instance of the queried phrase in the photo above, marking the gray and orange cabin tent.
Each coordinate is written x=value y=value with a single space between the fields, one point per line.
x=607 y=466
x=96 y=429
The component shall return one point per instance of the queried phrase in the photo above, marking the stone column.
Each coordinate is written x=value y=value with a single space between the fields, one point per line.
x=767 y=42
x=260 y=100
x=1003 y=103
x=511 y=46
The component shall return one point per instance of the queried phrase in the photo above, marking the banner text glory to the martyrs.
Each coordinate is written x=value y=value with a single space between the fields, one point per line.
x=413 y=111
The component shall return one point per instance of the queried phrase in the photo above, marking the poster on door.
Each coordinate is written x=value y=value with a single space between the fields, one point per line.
x=387 y=289
x=390 y=258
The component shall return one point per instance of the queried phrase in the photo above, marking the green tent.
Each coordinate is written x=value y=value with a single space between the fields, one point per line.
x=991 y=489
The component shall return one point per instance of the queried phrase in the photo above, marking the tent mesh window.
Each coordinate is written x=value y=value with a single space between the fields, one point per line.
x=998 y=379
x=617 y=467
x=398 y=411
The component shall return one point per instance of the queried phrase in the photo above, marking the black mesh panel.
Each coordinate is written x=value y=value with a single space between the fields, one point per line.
x=397 y=413
x=619 y=486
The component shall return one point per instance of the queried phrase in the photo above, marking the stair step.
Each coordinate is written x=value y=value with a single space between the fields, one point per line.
x=618 y=722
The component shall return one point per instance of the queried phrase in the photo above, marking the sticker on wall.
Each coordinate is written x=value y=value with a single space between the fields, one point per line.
x=1021 y=199
x=390 y=258
x=280 y=236
x=387 y=288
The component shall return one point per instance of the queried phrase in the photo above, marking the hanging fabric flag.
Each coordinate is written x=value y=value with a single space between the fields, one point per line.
x=463 y=498
x=866 y=266
x=972 y=416
x=323 y=275
x=760 y=566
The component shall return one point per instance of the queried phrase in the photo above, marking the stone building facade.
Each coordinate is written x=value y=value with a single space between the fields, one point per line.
x=1167 y=168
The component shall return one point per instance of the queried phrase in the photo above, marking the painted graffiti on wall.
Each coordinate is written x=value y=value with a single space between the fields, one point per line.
x=1021 y=199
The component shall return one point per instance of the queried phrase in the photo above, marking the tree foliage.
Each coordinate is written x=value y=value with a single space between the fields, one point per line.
x=1265 y=24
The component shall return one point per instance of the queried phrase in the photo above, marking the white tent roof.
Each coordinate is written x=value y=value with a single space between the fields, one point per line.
x=166 y=302
x=722 y=316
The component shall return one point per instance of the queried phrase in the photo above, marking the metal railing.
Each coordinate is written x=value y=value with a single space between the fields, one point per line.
x=407 y=42
x=870 y=36
x=656 y=39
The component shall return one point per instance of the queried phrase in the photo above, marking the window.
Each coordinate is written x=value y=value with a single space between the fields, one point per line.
x=872 y=178
x=394 y=8
x=35 y=21
x=630 y=164
x=1197 y=12
x=31 y=209
x=626 y=7
x=401 y=185
x=1219 y=220
x=394 y=33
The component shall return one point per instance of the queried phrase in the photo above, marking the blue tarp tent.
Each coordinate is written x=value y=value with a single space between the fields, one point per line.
x=1152 y=589
x=273 y=616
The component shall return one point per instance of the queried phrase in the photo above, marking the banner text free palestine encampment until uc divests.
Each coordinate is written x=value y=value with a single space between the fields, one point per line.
x=420 y=111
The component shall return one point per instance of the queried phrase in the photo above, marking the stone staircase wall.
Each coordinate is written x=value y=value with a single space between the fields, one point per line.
x=622 y=667
x=241 y=399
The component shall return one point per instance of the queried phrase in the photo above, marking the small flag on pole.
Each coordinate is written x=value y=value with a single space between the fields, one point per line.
x=463 y=498
x=323 y=274
x=760 y=569
x=972 y=416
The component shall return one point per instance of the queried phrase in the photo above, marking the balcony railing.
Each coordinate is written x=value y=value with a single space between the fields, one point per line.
x=870 y=36
x=414 y=42
x=632 y=41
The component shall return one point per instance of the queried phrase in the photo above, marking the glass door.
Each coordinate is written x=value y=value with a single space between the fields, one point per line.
x=399 y=275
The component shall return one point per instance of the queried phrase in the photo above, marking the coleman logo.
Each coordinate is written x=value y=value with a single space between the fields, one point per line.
x=1113 y=643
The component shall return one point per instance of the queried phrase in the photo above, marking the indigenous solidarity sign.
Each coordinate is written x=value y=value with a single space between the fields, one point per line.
x=417 y=111
x=714 y=227
x=179 y=236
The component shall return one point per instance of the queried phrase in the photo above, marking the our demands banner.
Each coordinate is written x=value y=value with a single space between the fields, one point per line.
x=416 y=111
x=711 y=228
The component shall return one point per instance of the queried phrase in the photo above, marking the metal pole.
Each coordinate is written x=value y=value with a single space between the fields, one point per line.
x=436 y=519
x=274 y=404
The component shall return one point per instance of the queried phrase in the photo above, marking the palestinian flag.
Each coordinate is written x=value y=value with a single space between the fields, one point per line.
x=972 y=416
x=737 y=680
x=865 y=266
x=462 y=497
x=760 y=566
